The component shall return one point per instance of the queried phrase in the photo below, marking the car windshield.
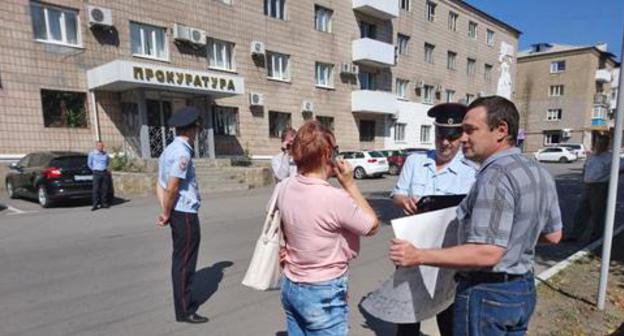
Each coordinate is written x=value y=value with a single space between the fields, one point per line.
x=375 y=154
x=70 y=162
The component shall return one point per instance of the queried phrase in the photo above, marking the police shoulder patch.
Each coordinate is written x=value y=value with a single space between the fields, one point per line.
x=183 y=162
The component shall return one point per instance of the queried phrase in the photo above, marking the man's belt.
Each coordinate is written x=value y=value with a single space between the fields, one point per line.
x=490 y=277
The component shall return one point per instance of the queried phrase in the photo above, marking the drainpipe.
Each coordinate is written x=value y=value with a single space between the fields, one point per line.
x=94 y=113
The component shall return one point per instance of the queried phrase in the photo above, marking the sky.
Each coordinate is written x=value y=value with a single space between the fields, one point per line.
x=573 y=22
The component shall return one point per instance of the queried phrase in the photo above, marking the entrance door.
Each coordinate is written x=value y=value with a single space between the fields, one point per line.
x=160 y=135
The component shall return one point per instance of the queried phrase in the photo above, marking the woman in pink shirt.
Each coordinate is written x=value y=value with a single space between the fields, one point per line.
x=322 y=225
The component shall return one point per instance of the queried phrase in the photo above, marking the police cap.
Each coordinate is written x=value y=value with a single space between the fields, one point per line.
x=448 y=118
x=184 y=117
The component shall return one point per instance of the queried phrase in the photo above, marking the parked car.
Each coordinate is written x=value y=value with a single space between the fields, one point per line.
x=560 y=154
x=366 y=163
x=50 y=177
x=409 y=151
x=575 y=148
x=396 y=159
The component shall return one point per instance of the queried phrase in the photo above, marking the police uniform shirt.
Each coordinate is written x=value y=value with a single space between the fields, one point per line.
x=175 y=161
x=97 y=160
x=419 y=176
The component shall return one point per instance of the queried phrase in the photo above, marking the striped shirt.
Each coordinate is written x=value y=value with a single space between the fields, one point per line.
x=513 y=201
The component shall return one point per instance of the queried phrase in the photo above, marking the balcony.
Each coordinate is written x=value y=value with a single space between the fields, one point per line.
x=601 y=99
x=373 y=53
x=603 y=76
x=382 y=9
x=368 y=101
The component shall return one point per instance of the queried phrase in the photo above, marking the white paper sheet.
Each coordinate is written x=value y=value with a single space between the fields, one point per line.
x=425 y=230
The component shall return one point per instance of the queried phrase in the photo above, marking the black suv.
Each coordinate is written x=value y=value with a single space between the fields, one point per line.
x=49 y=177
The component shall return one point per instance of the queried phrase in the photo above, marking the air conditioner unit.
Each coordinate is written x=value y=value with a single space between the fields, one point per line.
x=99 y=16
x=256 y=99
x=420 y=84
x=566 y=133
x=483 y=94
x=189 y=34
x=439 y=88
x=307 y=106
x=355 y=69
x=257 y=48
x=345 y=68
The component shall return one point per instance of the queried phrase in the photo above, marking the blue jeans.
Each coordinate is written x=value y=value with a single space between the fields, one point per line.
x=493 y=309
x=316 y=309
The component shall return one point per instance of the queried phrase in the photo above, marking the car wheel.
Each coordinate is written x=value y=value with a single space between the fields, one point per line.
x=563 y=159
x=359 y=173
x=10 y=189
x=394 y=170
x=42 y=197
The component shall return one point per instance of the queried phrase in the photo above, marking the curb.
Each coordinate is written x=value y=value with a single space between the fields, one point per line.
x=560 y=266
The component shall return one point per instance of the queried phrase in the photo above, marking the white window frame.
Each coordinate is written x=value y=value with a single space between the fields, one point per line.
x=451 y=60
x=63 y=25
x=425 y=134
x=554 y=114
x=471 y=67
x=556 y=68
x=279 y=62
x=371 y=80
x=323 y=21
x=469 y=98
x=401 y=87
x=324 y=75
x=473 y=33
x=405 y=5
x=280 y=10
x=399 y=132
x=487 y=72
x=142 y=36
x=548 y=138
x=452 y=21
x=430 y=11
x=599 y=112
x=449 y=95
x=489 y=38
x=226 y=50
x=403 y=44
x=556 y=91
x=228 y=116
x=429 y=49
x=428 y=94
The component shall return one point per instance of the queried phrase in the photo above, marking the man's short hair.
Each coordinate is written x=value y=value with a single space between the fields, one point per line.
x=287 y=131
x=313 y=142
x=499 y=109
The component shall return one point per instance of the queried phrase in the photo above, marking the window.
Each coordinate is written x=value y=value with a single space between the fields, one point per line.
x=278 y=121
x=328 y=122
x=227 y=2
x=487 y=72
x=275 y=9
x=425 y=133
x=148 y=41
x=452 y=21
x=428 y=94
x=368 y=80
x=367 y=130
x=324 y=75
x=450 y=96
x=489 y=39
x=277 y=67
x=64 y=109
x=599 y=112
x=552 y=138
x=225 y=120
x=402 y=42
x=368 y=30
x=220 y=54
x=553 y=114
x=323 y=19
x=614 y=93
x=557 y=66
x=401 y=88
x=450 y=60
x=431 y=8
x=471 y=67
x=399 y=132
x=469 y=98
x=556 y=91
x=405 y=4
x=55 y=25
x=472 y=29
x=429 y=53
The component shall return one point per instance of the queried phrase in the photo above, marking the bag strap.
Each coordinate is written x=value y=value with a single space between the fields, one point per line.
x=279 y=189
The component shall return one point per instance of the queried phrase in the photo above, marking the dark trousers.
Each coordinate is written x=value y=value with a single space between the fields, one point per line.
x=445 y=325
x=185 y=234
x=592 y=208
x=100 y=187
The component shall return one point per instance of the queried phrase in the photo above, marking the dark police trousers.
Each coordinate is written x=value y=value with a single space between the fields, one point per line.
x=100 y=187
x=185 y=234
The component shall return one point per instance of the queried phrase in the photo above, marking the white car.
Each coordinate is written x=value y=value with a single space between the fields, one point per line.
x=366 y=163
x=575 y=148
x=560 y=154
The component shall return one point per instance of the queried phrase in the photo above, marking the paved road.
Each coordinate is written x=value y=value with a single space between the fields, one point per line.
x=70 y=271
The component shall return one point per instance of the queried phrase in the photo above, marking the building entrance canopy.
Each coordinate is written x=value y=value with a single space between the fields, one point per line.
x=122 y=75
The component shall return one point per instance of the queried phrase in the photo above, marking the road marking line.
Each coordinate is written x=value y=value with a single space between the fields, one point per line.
x=16 y=210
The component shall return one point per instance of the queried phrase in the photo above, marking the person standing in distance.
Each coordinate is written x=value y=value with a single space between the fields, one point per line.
x=98 y=163
x=282 y=163
x=512 y=205
x=178 y=194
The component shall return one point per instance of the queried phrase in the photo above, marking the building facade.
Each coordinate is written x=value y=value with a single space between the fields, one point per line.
x=74 y=71
x=565 y=94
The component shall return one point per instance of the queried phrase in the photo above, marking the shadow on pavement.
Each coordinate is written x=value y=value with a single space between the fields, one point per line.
x=379 y=327
x=206 y=281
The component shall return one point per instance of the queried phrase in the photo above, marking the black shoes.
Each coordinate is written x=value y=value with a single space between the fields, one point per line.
x=95 y=207
x=100 y=206
x=194 y=319
x=105 y=206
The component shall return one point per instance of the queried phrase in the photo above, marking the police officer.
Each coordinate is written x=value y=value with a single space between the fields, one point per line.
x=443 y=171
x=178 y=194
x=98 y=163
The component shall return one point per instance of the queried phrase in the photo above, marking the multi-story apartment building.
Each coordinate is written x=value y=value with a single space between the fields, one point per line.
x=564 y=93
x=73 y=71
